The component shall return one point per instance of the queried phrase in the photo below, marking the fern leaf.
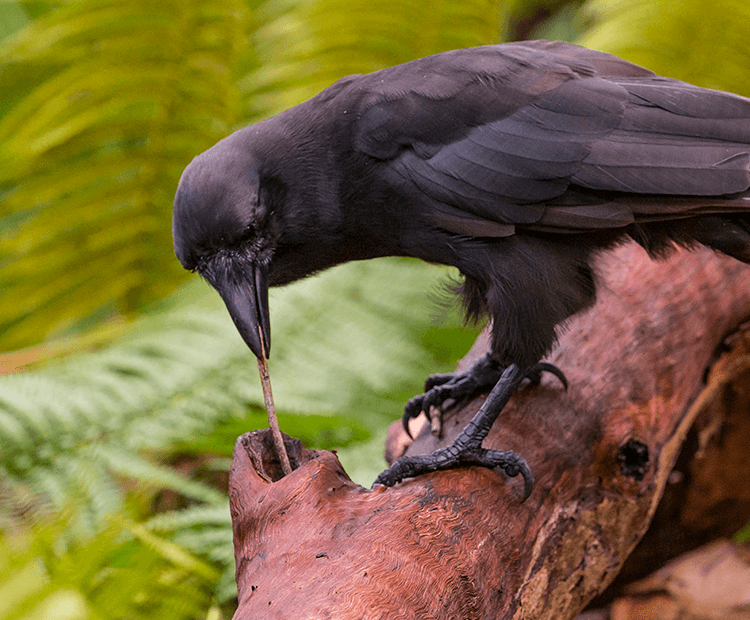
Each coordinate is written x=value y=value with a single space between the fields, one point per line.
x=118 y=98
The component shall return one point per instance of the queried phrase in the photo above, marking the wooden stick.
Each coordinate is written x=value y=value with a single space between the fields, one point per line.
x=273 y=422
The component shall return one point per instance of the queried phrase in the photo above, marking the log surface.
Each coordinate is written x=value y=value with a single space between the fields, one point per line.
x=459 y=544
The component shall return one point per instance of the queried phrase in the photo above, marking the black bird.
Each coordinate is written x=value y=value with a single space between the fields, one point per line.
x=514 y=163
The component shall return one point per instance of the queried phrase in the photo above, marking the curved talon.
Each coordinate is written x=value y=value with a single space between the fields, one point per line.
x=553 y=370
x=413 y=408
x=440 y=391
x=440 y=388
x=520 y=467
x=405 y=424
x=528 y=481
x=534 y=374
x=509 y=462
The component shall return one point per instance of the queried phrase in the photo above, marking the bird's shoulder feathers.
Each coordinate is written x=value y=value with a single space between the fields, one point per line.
x=512 y=134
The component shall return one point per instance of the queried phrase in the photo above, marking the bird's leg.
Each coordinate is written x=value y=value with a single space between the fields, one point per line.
x=467 y=448
x=485 y=373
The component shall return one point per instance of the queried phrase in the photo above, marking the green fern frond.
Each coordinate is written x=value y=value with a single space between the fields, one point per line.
x=72 y=430
x=206 y=532
x=118 y=97
x=183 y=371
x=172 y=552
x=112 y=574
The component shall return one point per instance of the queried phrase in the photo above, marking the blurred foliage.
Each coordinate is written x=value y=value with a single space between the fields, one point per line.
x=183 y=370
x=303 y=50
x=108 y=103
x=540 y=19
x=104 y=102
x=123 y=571
x=181 y=385
x=12 y=18
x=706 y=43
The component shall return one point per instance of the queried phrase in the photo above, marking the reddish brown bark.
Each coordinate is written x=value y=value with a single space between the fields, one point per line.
x=459 y=544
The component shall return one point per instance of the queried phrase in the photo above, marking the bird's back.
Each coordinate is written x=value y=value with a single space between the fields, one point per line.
x=547 y=137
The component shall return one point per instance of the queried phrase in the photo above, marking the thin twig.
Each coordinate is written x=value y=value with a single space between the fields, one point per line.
x=273 y=422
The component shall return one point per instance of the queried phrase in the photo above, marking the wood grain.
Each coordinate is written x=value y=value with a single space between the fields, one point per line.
x=459 y=544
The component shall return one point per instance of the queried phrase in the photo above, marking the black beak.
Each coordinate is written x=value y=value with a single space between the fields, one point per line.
x=246 y=299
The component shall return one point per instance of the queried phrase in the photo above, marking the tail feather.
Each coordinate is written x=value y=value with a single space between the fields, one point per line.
x=726 y=233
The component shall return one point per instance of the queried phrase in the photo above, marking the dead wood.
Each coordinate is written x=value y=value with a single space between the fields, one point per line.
x=710 y=583
x=459 y=544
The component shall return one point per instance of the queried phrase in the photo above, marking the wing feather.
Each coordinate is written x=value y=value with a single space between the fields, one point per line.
x=558 y=137
x=505 y=171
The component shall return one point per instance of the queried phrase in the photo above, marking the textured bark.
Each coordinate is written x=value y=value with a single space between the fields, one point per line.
x=459 y=544
x=710 y=583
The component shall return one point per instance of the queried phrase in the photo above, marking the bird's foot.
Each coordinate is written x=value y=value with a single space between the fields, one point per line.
x=452 y=386
x=448 y=458
x=460 y=387
x=467 y=448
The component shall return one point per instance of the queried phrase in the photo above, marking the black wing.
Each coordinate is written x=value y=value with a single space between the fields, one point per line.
x=553 y=136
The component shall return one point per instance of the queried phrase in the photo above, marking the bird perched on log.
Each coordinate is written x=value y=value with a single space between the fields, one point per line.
x=515 y=163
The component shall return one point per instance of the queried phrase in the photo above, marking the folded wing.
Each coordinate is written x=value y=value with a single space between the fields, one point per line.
x=573 y=156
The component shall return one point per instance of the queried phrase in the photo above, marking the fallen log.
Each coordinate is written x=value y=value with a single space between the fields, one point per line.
x=709 y=583
x=460 y=544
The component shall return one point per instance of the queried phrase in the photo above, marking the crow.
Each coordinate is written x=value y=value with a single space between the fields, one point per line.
x=514 y=163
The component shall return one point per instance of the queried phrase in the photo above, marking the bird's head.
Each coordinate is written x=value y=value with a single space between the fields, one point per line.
x=221 y=229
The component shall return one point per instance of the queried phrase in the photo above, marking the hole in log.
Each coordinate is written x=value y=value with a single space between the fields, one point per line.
x=633 y=459
x=261 y=449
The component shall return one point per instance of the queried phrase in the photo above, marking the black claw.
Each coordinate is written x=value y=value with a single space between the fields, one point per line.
x=458 y=387
x=510 y=463
x=435 y=380
x=405 y=424
x=554 y=370
x=413 y=408
x=521 y=467
x=528 y=481
x=408 y=415
x=467 y=450
x=534 y=374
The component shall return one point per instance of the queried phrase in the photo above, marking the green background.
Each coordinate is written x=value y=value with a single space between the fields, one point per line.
x=124 y=383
